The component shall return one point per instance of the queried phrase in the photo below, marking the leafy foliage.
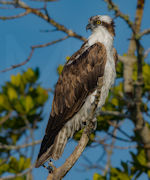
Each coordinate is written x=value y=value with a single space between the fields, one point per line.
x=21 y=103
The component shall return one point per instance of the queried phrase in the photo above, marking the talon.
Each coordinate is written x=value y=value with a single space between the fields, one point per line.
x=49 y=168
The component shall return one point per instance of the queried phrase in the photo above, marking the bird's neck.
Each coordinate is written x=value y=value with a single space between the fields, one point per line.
x=101 y=35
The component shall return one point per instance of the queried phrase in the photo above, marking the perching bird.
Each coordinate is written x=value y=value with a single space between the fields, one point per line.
x=77 y=85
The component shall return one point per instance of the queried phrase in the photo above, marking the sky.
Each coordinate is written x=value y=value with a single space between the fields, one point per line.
x=16 y=37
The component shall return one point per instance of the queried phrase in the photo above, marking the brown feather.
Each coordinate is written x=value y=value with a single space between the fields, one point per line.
x=77 y=80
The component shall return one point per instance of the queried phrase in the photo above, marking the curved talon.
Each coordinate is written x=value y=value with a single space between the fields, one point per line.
x=49 y=168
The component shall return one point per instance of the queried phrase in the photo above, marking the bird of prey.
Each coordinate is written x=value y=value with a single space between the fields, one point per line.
x=77 y=86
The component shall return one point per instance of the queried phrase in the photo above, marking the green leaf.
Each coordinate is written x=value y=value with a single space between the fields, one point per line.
x=12 y=94
x=60 y=68
x=13 y=164
x=16 y=80
x=4 y=103
x=142 y=157
x=14 y=138
x=148 y=173
x=146 y=76
x=115 y=101
x=97 y=176
x=119 y=70
x=4 y=167
x=23 y=163
x=28 y=103
x=119 y=175
x=29 y=76
x=42 y=95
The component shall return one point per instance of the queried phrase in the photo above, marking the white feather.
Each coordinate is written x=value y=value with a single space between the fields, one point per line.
x=105 y=18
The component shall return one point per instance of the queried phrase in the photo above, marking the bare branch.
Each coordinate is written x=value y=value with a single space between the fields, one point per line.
x=7 y=2
x=146 y=53
x=145 y=32
x=113 y=113
x=15 y=16
x=49 y=43
x=114 y=146
x=5 y=118
x=31 y=54
x=45 y=17
x=119 y=138
x=20 y=64
x=118 y=13
x=16 y=147
x=110 y=150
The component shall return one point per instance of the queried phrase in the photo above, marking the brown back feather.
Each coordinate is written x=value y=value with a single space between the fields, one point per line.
x=77 y=80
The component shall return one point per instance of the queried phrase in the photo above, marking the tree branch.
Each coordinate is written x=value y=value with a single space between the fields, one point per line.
x=31 y=53
x=146 y=53
x=45 y=17
x=145 y=32
x=15 y=16
x=118 y=13
x=112 y=113
x=128 y=66
x=5 y=118
x=16 y=147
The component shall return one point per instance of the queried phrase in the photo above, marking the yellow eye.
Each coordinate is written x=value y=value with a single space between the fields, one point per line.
x=98 y=22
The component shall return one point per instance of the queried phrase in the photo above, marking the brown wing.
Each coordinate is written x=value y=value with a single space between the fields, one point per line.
x=77 y=80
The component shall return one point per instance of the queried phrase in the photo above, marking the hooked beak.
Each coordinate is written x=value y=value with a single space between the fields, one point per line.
x=88 y=27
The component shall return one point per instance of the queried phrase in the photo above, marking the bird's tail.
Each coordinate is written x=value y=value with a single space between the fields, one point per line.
x=57 y=146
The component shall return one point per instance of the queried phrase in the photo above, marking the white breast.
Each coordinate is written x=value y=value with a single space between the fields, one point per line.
x=104 y=37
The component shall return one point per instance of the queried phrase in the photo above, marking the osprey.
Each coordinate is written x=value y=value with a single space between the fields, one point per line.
x=77 y=86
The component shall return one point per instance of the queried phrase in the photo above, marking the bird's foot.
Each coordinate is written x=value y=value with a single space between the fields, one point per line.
x=50 y=167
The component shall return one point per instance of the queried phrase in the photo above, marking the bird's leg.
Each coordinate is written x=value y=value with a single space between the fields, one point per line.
x=94 y=122
x=50 y=166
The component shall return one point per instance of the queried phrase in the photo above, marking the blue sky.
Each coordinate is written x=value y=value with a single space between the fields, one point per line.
x=16 y=37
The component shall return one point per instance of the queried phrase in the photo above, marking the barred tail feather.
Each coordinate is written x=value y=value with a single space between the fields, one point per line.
x=60 y=142
x=57 y=148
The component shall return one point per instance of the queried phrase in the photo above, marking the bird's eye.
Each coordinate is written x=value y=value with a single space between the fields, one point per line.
x=98 y=22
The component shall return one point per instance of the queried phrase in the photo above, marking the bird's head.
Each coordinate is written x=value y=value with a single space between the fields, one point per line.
x=96 y=22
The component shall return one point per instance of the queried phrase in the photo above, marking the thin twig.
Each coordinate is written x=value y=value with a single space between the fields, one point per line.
x=114 y=146
x=110 y=150
x=20 y=64
x=31 y=53
x=16 y=147
x=145 y=32
x=119 y=138
x=45 y=17
x=118 y=13
x=5 y=118
x=113 y=113
x=146 y=53
x=15 y=16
